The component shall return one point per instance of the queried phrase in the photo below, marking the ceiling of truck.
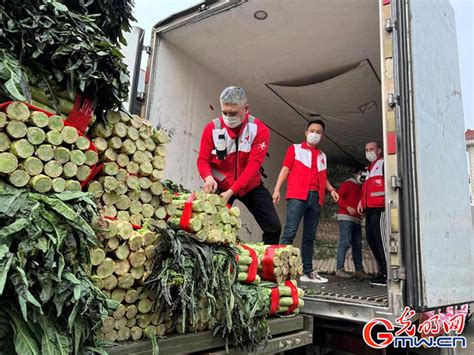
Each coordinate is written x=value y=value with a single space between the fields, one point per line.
x=307 y=58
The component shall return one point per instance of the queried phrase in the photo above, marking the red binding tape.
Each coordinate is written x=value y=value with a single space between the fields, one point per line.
x=187 y=212
x=134 y=226
x=275 y=301
x=294 y=296
x=253 y=267
x=81 y=114
x=267 y=262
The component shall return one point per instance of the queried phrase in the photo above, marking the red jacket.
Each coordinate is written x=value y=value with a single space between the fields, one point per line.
x=240 y=169
x=350 y=193
x=298 y=160
x=373 y=189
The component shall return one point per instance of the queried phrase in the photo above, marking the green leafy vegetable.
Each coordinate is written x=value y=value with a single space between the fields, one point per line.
x=47 y=45
x=48 y=303
x=196 y=282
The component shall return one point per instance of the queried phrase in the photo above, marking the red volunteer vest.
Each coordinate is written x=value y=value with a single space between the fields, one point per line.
x=299 y=178
x=374 y=186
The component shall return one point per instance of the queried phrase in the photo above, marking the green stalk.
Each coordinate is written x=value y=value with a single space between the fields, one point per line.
x=56 y=123
x=22 y=148
x=16 y=129
x=33 y=166
x=18 y=111
x=19 y=178
x=36 y=135
x=41 y=183
x=45 y=152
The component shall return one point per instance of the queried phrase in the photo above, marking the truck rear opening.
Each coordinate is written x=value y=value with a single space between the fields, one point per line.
x=296 y=63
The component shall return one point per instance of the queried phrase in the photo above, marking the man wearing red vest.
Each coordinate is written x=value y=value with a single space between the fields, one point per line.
x=233 y=148
x=305 y=168
x=373 y=204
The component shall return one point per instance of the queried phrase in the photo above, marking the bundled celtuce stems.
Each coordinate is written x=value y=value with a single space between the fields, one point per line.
x=276 y=262
x=133 y=154
x=289 y=299
x=211 y=221
x=42 y=152
x=120 y=269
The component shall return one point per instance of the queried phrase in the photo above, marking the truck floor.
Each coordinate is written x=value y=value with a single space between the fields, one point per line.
x=348 y=290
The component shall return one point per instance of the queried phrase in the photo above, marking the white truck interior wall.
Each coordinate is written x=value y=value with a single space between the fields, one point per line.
x=300 y=43
x=183 y=110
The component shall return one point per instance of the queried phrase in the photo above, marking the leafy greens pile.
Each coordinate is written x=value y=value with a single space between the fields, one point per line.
x=196 y=284
x=67 y=46
x=48 y=305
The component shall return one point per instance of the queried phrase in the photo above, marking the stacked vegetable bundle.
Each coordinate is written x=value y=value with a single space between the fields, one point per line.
x=206 y=216
x=248 y=264
x=284 y=298
x=277 y=263
x=41 y=151
x=195 y=282
x=120 y=269
x=133 y=155
x=48 y=304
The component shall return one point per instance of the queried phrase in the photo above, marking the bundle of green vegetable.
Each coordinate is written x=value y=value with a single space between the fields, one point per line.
x=61 y=49
x=285 y=298
x=210 y=220
x=133 y=153
x=41 y=151
x=277 y=263
x=120 y=267
x=248 y=264
x=196 y=283
x=48 y=304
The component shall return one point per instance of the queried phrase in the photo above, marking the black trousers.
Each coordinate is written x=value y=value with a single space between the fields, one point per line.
x=373 y=229
x=260 y=204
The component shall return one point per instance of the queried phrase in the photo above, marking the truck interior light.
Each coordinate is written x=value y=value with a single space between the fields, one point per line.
x=260 y=15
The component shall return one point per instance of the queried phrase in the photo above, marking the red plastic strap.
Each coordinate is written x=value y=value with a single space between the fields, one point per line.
x=294 y=296
x=134 y=226
x=187 y=212
x=94 y=171
x=229 y=206
x=253 y=267
x=81 y=114
x=267 y=262
x=274 y=301
x=5 y=104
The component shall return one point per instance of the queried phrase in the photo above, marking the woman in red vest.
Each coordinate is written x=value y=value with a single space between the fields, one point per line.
x=305 y=167
x=348 y=218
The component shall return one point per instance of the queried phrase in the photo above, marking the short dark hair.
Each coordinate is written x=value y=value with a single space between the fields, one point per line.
x=319 y=122
x=358 y=167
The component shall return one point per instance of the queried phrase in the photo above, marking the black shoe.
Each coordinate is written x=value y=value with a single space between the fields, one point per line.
x=379 y=281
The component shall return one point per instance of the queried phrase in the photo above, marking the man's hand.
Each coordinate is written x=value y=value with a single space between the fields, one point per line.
x=359 y=208
x=210 y=185
x=352 y=210
x=227 y=195
x=335 y=195
x=276 y=197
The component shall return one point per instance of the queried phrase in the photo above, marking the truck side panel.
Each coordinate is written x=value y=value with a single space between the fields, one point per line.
x=442 y=190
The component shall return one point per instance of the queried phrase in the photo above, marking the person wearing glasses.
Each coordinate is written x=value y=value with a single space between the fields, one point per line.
x=232 y=151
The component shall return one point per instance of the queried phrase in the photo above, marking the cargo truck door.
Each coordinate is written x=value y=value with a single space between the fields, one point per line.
x=436 y=216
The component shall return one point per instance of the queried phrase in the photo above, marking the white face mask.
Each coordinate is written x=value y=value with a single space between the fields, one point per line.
x=232 y=122
x=371 y=156
x=313 y=138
